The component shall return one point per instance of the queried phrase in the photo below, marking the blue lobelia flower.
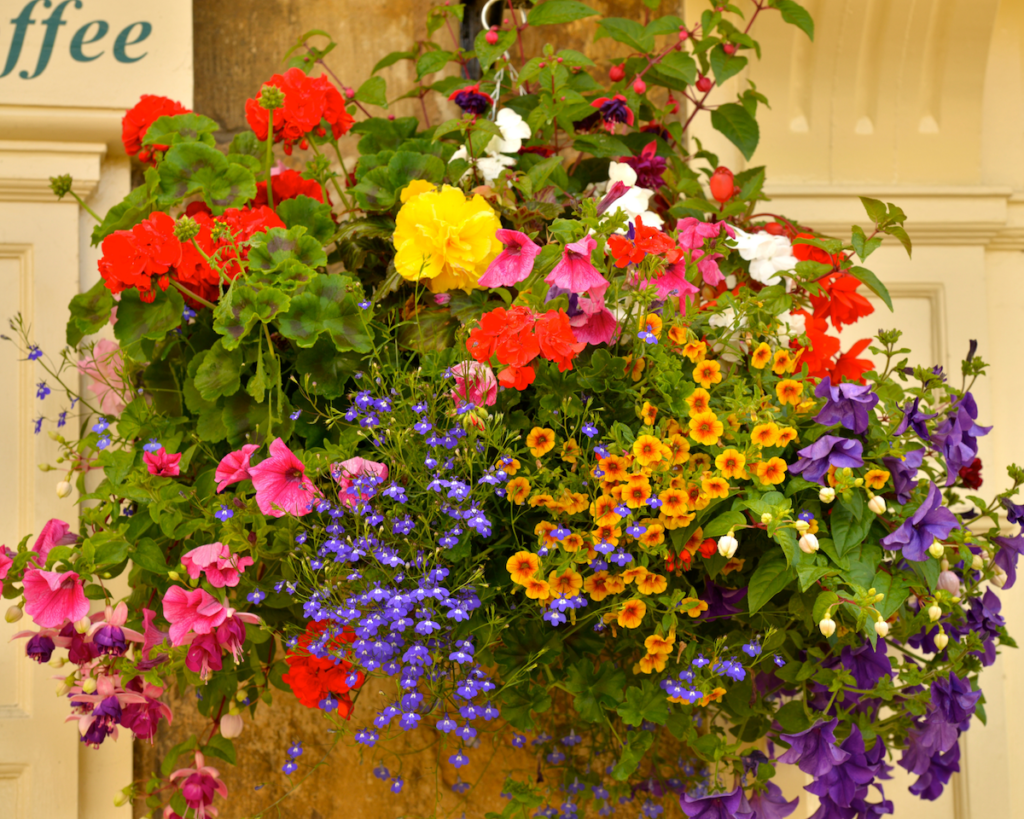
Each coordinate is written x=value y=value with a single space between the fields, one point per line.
x=932 y=521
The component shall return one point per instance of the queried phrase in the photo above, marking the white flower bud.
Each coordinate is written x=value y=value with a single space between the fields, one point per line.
x=727 y=546
x=881 y=628
x=14 y=614
x=89 y=685
x=231 y=725
x=56 y=662
x=63 y=489
x=877 y=505
x=808 y=544
x=63 y=689
x=948 y=582
x=944 y=565
x=827 y=626
x=827 y=495
x=941 y=640
x=802 y=525
x=121 y=799
x=936 y=549
x=934 y=613
x=999 y=578
x=83 y=625
x=977 y=564
x=767 y=518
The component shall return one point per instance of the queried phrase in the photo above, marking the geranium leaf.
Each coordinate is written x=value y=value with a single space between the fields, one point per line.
x=329 y=304
x=637 y=744
x=191 y=167
x=189 y=127
x=406 y=166
x=314 y=216
x=137 y=320
x=219 y=372
x=272 y=248
x=90 y=312
x=242 y=307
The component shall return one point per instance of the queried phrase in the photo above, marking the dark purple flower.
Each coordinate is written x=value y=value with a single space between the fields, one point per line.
x=472 y=100
x=771 y=804
x=80 y=650
x=904 y=472
x=915 y=419
x=613 y=110
x=1014 y=512
x=846 y=404
x=954 y=699
x=932 y=521
x=941 y=767
x=1010 y=548
x=721 y=600
x=956 y=437
x=828 y=450
x=867 y=665
x=850 y=780
x=814 y=749
x=40 y=648
x=713 y=806
x=984 y=619
x=110 y=640
x=649 y=167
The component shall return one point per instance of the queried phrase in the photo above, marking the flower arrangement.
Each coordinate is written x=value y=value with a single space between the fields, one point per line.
x=532 y=414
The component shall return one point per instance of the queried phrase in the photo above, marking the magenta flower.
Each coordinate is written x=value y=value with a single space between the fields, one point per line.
x=52 y=598
x=346 y=474
x=222 y=568
x=234 y=467
x=574 y=272
x=280 y=481
x=55 y=533
x=673 y=281
x=142 y=718
x=693 y=232
x=475 y=383
x=6 y=560
x=594 y=323
x=108 y=631
x=162 y=464
x=105 y=368
x=202 y=783
x=152 y=636
x=204 y=656
x=514 y=263
x=707 y=264
x=191 y=612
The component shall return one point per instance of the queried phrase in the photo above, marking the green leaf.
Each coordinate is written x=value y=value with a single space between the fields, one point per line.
x=180 y=128
x=847 y=531
x=899 y=233
x=540 y=172
x=726 y=65
x=329 y=304
x=314 y=216
x=680 y=66
x=406 y=166
x=623 y=30
x=646 y=703
x=219 y=372
x=637 y=744
x=125 y=215
x=272 y=248
x=809 y=574
x=194 y=167
x=876 y=210
x=116 y=463
x=723 y=523
x=432 y=62
x=873 y=282
x=90 y=312
x=149 y=556
x=896 y=592
x=137 y=320
x=792 y=717
x=601 y=145
x=822 y=603
x=487 y=53
x=595 y=689
x=374 y=92
x=170 y=759
x=242 y=307
x=787 y=539
x=862 y=245
x=375 y=191
x=222 y=748
x=733 y=122
x=769 y=578
x=795 y=14
x=559 y=12
x=111 y=548
x=392 y=58
x=327 y=369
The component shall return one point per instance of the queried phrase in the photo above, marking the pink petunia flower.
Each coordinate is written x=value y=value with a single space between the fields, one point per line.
x=234 y=467
x=191 y=612
x=673 y=280
x=202 y=783
x=152 y=636
x=281 y=485
x=105 y=368
x=162 y=464
x=346 y=473
x=595 y=324
x=55 y=533
x=475 y=383
x=693 y=232
x=514 y=263
x=53 y=598
x=575 y=273
x=222 y=568
x=707 y=264
x=6 y=559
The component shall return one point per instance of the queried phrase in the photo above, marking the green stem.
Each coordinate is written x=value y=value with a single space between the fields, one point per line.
x=270 y=156
x=87 y=209
x=192 y=295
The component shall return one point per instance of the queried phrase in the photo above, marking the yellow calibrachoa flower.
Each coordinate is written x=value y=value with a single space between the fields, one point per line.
x=509 y=468
x=649 y=413
x=603 y=511
x=517 y=490
x=570 y=451
x=705 y=428
x=654 y=534
x=650 y=663
x=677 y=334
x=680 y=449
x=658 y=644
x=652 y=583
x=537 y=589
x=653 y=321
x=731 y=464
x=632 y=613
x=637 y=491
x=786 y=434
x=707 y=373
x=695 y=351
x=784 y=362
x=765 y=434
x=636 y=573
x=695 y=610
x=444 y=239
x=567 y=584
x=772 y=471
x=876 y=478
x=647 y=449
x=700 y=463
x=597 y=586
x=540 y=441
x=761 y=356
x=522 y=566
x=715 y=487
x=614 y=467
x=789 y=391
x=698 y=401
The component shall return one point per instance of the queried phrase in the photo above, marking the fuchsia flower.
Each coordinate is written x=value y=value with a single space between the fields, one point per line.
x=204 y=656
x=191 y=612
x=162 y=464
x=575 y=273
x=52 y=598
x=143 y=718
x=346 y=473
x=55 y=533
x=108 y=631
x=222 y=568
x=202 y=783
x=234 y=467
x=514 y=263
x=280 y=481
x=475 y=383
x=6 y=559
x=105 y=368
x=152 y=636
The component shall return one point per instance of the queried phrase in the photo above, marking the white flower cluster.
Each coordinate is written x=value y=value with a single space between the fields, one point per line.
x=495 y=157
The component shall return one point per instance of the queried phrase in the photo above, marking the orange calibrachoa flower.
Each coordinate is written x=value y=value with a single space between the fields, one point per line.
x=650 y=663
x=607 y=534
x=572 y=543
x=510 y=468
x=522 y=566
x=632 y=613
x=765 y=434
x=731 y=464
x=567 y=584
x=543 y=532
x=654 y=536
x=714 y=696
x=517 y=490
x=699 y=400
x=603 y=511
x=673 y=502
x=647 y=450
x=705 y=428
x=695 y=351
x=653 y=321
x=677 y=335
x=542 y=499
x=789 y=391
x=700 y=463
x=570 y=451
x=761 y=356
x=707 y=373
x=786 y=435
x=680 y=521
x=616 y=584
x=698 y=606
x=649 y=413
x=636 y=573
x=652 y=583
x=876 y=478
x=784 y=362
x=772 y=471
x=715 y=487
x=614 y=467
x=680 y=449
x=540 y=441
x=735 y=564
x=658 y=644
x=537 y=589
x=597 y=586
x=635 y=369
x=637 y=491
x=574 y=502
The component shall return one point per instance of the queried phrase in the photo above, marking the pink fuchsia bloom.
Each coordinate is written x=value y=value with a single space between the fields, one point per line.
x=151 y=635
x=52 y=598
x=204 y=656
x=574 y=272
x=108 y=631
x=162 y=464
x=101 y=711
x=347 y=474
x=222 y=568
x=281 y=485
x=202 y=783
x=191 y=612
x=595 y=323
x=105 y=368
x=143 y=718
x=514 y=263
x=55 y=533
x=6 y=559
x=475 y=383
x=234 y=467
x=693 y=232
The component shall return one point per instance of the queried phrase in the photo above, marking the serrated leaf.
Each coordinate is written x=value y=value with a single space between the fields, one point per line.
x=190 y=127
x=272 y=248
x=595 y=689
x=314 y=216
x=375 y=191
x=219 y=372
x=137 y=320
x=373 y=92
x=736 y=125
x=329 y=304
x=194 y=167
x=406 y=166
x=644 y=704
x=242 y=307
x=637 y=745
x=559 y=12
x=90 y=312
x=873 y=282
x=795 y=14
x=125 y=215
x=770 y=577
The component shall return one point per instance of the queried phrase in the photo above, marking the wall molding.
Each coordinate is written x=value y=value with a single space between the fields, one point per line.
x=26 y=168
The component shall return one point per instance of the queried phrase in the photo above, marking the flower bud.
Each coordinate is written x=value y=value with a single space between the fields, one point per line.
x=858 y=482
x=943 y=565
x=14 y=614
x=999 y=578
x=174 y=576
x=977 y=563
x=83 y=625
x=270 y=97
x=827 y=626
x=948 y=582
x=936 y=549
x=879 y=597
x=56 y=662
x=881 y=628
x=802 y=525
x=121 y=799
x=934 y=613
x=617 y=73
x=639 y=85
x=808 y=544
x=63 y=689
x=231 y=725
x=941 y=640
x=827 y=495
x=61 y=185
x=767 y=518
x=877 y=505
x=727 y=545
x=186 y=229
x=492 y=37
x=89 y=685
x=63 y=489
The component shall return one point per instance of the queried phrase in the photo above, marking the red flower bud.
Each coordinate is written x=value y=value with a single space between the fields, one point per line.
x=348 y=92
x=492 y=36
x=775 y=229
x=683 y=34
x=721 y=184
x=704 y=84
x=617 y=73
x=639 y=85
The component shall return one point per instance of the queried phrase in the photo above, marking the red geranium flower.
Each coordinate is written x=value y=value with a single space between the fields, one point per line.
x=287 y=185
x=850 y=368
x=133 y=258
x=309 y=104
x=557 y=342
x=810 y=252
x=842 y=303
x=313 y=679
x=138 y=119
x=645 y=240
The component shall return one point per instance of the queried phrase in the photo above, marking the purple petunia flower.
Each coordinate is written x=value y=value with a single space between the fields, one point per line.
x=713 y=805
x=1010 y=549
x=904 y=472
x=721 y=601
x=915 y=419
x=845 y=404
x=956 y=437
x=1014 y=512
x=814 y=749
x=932 y=521
x=954 y=700
x=828 y=450
x=771 y=804
x=867 y=665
